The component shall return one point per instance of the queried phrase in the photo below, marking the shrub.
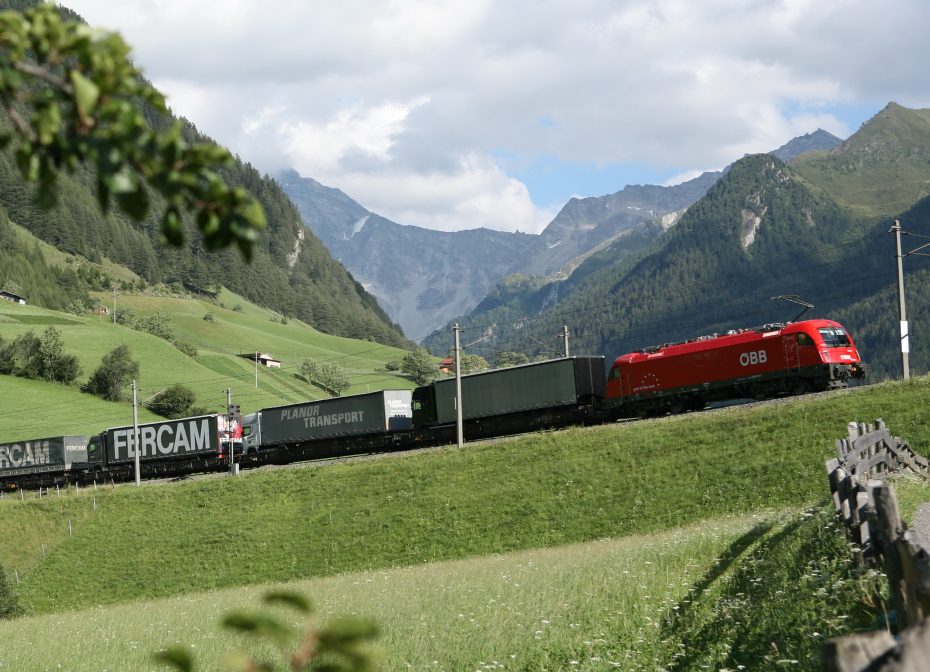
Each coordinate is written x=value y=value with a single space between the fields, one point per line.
x=330 y=377
x=175 y=402
x=75 y=308
x=188 y=349
x=343 y=644
x=157 y=324
x=29 y=356
x=9 y=604
x=473 y=364
x=507 y=359
x=117 y=368
x=419 y=366
x=53 y=363
x=126 y=316
x=208 y=317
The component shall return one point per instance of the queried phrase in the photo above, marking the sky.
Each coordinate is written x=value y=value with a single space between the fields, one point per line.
x=457 y=114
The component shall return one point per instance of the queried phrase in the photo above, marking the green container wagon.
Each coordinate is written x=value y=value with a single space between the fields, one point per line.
x=546 y=393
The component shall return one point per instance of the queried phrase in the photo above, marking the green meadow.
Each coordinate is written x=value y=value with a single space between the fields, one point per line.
x=642 y=602
x=37 y=409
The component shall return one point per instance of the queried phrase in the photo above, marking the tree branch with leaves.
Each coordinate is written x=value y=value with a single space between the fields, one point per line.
x=341 y=645
x=72 y=96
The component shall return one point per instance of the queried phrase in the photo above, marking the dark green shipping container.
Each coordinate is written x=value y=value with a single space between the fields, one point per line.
x=551 y=384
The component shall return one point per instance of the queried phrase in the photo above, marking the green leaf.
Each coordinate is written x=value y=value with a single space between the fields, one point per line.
x=258 y=625
x=171 y=228
x=48 y=122
x=86 y=95
x=46 y=195
x=254 y=214
x=134 y=203
x=239 y=661
x=346 y=631
x=290 y=599
x=103 y=194
x=122 y=182
x=178 y=657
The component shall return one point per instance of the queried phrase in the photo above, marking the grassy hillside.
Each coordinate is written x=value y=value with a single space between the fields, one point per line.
x=218 y=365
x=34 y=409
x=682 y=598
x=536 y=491
x=882 y=169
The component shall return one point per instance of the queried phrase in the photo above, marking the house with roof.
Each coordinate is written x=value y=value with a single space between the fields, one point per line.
x=447 y=365
x=10 y=296
x=267 y=360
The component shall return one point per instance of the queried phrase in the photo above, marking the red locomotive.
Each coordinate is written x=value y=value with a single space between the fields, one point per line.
x=761 y=362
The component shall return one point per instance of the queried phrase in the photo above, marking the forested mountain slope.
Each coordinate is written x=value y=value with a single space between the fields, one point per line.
x=760 y=232
x=291 y=270
x=820 y=230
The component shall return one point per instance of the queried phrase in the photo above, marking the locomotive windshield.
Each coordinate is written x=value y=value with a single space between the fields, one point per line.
x=834 y=337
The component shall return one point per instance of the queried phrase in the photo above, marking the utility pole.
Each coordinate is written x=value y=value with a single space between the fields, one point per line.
x=135 y=431
x=232 y=410
x=114 y=304
x=256 y=369
x=905 y=344
x=564 y=336
x=459 y=434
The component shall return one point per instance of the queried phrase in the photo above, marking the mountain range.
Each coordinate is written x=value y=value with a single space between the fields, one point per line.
x=425 y=278
x=764 y=229
x=645 y=265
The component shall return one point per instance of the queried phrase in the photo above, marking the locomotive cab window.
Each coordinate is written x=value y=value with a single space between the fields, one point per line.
x=834 y=337
x=805 y=339
x=615 y=373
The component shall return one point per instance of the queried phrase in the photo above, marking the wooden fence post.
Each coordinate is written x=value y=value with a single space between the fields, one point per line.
x=888 y=522
x=854 y=652
x=915 y=570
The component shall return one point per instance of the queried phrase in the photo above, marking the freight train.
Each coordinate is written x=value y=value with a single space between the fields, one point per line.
x=756 y=363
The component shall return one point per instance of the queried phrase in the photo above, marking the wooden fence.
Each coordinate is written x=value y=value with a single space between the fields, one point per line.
x=869 y=508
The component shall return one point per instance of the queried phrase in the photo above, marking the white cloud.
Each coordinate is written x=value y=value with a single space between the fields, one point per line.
x=402 y=103
x=316 y=149
x=477 y=193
